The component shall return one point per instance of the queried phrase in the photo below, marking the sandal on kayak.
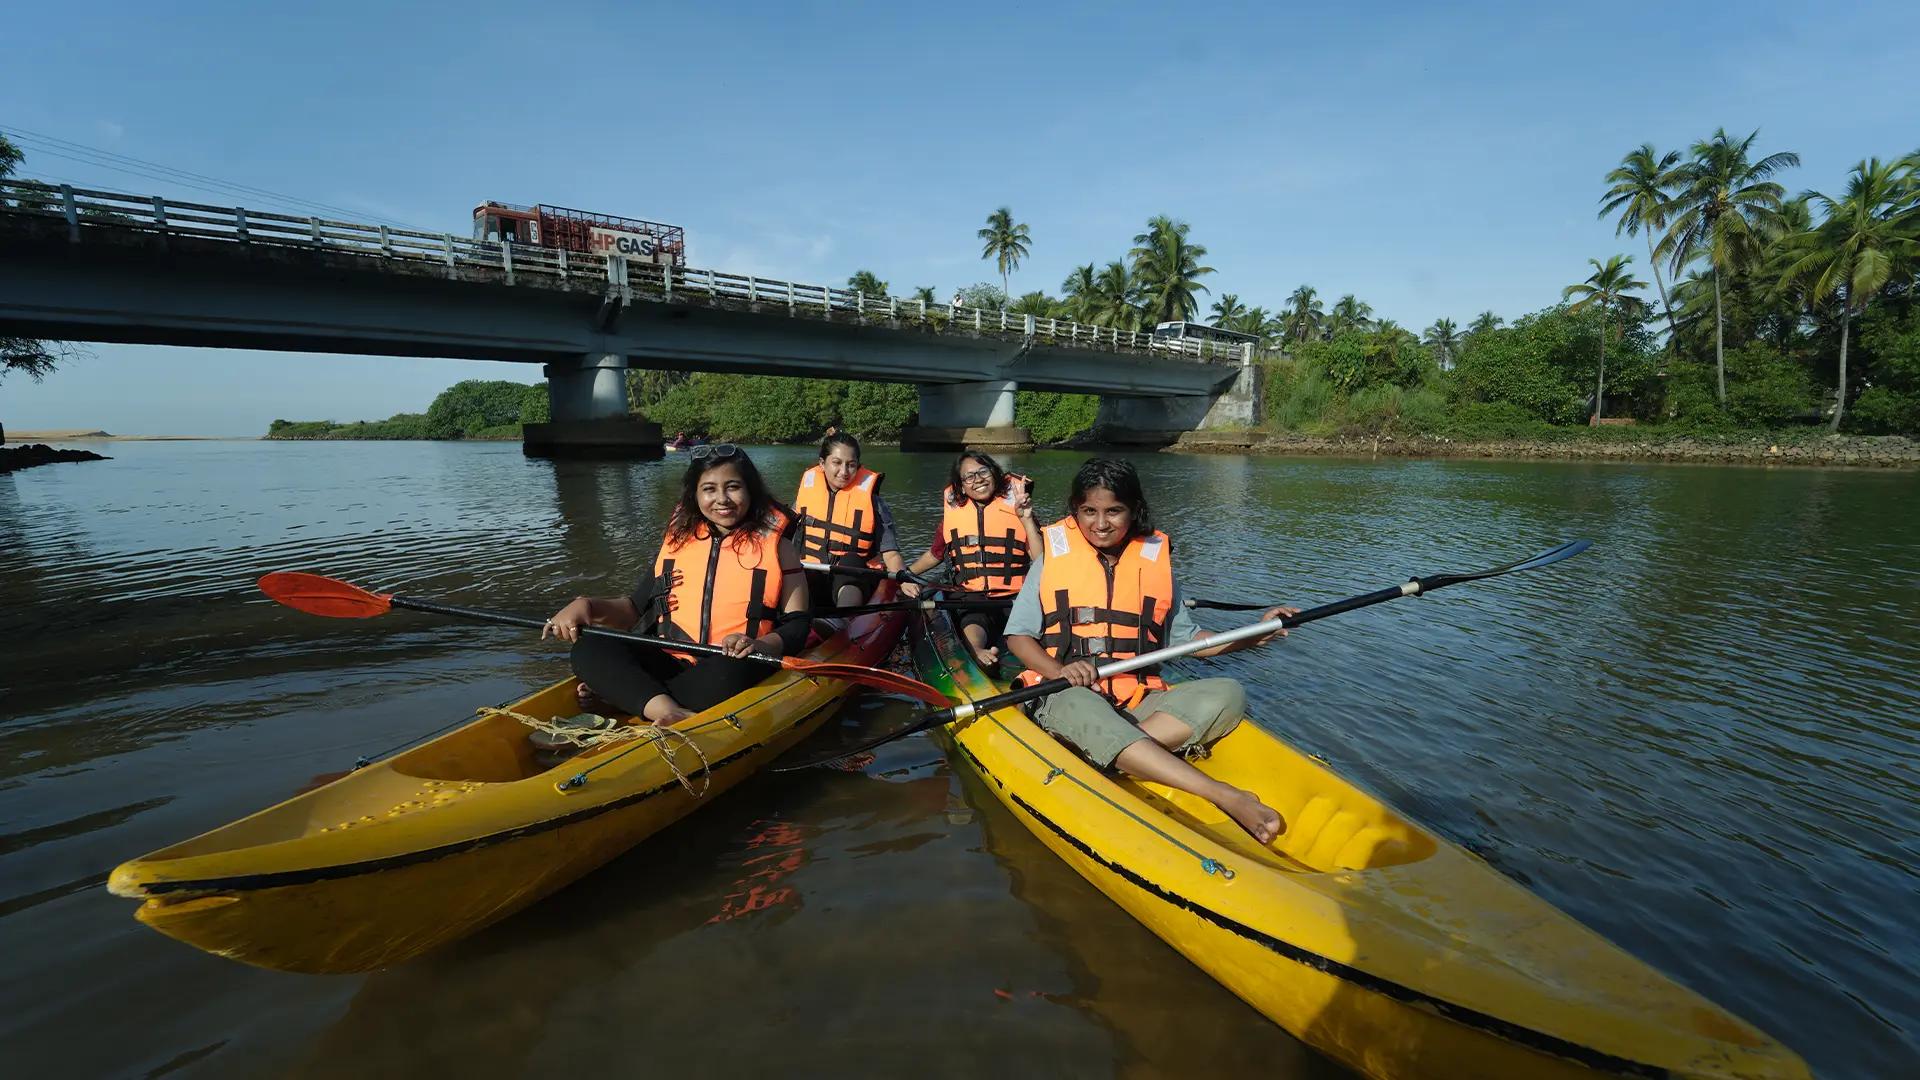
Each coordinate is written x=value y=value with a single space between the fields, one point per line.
x=585 y=724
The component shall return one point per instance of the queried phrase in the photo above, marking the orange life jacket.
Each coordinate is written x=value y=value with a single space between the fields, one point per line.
x=986 y=542
x=726 y=585
x=833 y=523
x=1089 y=612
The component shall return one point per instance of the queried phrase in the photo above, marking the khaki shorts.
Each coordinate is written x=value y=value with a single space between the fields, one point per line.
x=1210 y=707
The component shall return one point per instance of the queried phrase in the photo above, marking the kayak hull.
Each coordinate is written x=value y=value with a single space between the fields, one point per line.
x=1365 y=936
x=403 y=856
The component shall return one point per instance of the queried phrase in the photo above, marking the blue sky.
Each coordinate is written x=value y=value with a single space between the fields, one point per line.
x=1434 y=162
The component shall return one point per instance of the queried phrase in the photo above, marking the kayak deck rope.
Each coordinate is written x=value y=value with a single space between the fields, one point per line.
x=655 y=734
x=1056 y=771
x=587 y=737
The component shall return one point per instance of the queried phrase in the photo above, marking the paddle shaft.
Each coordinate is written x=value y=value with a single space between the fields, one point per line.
x=1161 y=656
x=598 y=631
x=924 y=605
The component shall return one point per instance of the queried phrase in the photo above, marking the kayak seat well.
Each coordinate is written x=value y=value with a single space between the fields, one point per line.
x=493 y=749
x=1331 y=825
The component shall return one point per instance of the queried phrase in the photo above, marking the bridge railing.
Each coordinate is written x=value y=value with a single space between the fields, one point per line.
x=87 y=209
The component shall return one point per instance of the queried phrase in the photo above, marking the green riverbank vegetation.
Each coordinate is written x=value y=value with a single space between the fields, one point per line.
x=473 y=409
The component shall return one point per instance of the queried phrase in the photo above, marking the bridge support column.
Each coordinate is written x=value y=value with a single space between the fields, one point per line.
x=1159 y=422
x=957 y=415
x=588 y=400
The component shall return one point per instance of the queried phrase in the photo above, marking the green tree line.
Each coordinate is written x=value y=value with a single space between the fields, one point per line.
x=473 y=409
x=1772 y=310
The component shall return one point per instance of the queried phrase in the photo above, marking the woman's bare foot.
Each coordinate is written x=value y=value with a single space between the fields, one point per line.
x=1261 y=821
x=669 y=717
x=592 y=702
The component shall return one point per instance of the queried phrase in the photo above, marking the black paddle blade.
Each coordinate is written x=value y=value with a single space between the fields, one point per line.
x=1548 y=557
x=866 y=723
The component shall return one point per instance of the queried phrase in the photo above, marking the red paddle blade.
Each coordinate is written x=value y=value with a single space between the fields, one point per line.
x=877 y=678
x=318 y=595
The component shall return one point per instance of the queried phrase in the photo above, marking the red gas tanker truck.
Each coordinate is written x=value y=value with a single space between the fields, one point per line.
x=577 y=230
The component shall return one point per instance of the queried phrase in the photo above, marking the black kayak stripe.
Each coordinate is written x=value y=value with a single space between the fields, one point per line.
x=1493 y=1025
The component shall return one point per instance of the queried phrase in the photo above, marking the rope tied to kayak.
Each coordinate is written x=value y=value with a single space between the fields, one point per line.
x=601 y=730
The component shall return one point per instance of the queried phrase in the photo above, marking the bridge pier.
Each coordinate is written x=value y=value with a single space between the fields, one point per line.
x=958 y=415
x=588 y=401
x=1158 y=422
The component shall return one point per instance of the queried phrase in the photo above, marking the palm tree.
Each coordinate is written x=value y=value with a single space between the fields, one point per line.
x=865 y=283
x=1166 y=267
x=1115 y=296
x=1851 y=255
x=1006 y=243
x=1304 y=314
x=1443 y=337
x=924 y=294
x=1228 y=311
x=1606 y=288
x=1254 y=320
x=1639 y=195
x=1036 y=303
x=1349 y=313
x=1080 y=291
x=1724 y=209
x=1483 y=323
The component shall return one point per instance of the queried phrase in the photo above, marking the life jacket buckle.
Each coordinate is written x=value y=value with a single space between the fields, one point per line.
x=1082 y=616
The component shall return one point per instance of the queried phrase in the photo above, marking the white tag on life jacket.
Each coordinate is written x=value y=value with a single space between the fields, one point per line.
x=1150 y=548
x=806 y=479
x=1056 y=539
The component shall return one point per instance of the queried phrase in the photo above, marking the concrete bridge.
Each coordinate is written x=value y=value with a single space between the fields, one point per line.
x=86 y=265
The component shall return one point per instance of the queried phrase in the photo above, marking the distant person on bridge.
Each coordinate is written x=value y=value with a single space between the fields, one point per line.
x=724 y=576
x=842 y=521
x=987 y=531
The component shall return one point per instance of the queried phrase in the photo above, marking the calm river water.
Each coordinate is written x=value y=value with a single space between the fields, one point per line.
x=1702 y=738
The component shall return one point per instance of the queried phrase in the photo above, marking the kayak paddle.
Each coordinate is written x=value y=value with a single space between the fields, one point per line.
x=1414 y=587
x=929 y=604
x=317 y=595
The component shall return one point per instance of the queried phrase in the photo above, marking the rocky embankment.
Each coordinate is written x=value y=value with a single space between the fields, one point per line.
x=1882 y=451
x=14 y=458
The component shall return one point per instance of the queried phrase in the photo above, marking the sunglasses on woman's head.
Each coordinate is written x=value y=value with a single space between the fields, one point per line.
x=721 y=451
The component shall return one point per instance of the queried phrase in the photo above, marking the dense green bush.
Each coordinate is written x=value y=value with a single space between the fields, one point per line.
x=879 y=410
x=1051 y=417
x=1887 y=361
x=1881 y=410
x=771 y=409
x=535 y=408
x=473 y=405
x=1491 y=420
x=1766 y=387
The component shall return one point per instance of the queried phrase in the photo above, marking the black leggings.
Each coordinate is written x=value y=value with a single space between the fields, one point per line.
x=823 y=588
x=992 y=620
x=628 y=676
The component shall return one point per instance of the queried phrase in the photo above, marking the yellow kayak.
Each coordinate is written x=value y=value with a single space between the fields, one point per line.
x=1369 y=938
x=426 y=847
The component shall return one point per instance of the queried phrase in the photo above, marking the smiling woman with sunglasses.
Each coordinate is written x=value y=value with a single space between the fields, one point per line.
x=988 y=532
x=724 y=576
